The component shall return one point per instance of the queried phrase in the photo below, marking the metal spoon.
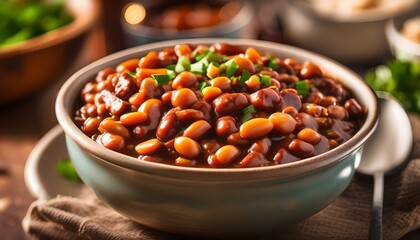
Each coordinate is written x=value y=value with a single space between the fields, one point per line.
x=385 y=153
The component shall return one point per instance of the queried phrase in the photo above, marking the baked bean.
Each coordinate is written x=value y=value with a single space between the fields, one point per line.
x=227 y=154
x=290 y=99
x=223 y=83
x=213 y=71
x=225 y=126
x=252 y=54
x=304 y=120
x=90 y=125
x=103 y=74
x=111 y=141
x=143 y=73
x=283 y=122
x=255 y=128
x=290 y=110
x=189 y=115
x=168 y=126
x=154 y=110
x=329 y=100
x=301 y=148
x=315 y=97
x=265 y=99
x=197 y=129
x=166 y=98
x=287 y=78
x=114 y=127
x=137 y=98
x=337 y=112
x=210 y=146
x=203 y=107
x=184 y=162
x=226 y=49
x=282 y=156
x=309 y=135
x=253 y=82
x=244 y=64
x=262 y=146
x=125 y=87
x=310 y=70
x=210 y=93
x=353 y=108
x=151 y=60
x=187 y=147
x=254 y=159
x=128 y=66
x=312 y=109
x=133 y=118
x=236 y=139
x=149 y=87
x=230 y=103
x=184 y=80
x=183 y=98
x=167 y=57
x=148 y=147
x=183 y=50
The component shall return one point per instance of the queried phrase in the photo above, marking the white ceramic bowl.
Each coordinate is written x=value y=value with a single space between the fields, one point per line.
x=214 y=202
x=356 y=40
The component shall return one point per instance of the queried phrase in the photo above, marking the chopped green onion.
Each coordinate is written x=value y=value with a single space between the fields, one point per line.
x=66 y=169
x=132 y=74
x=197 y=68
x=273 y=64
x=182 y=65
x=171 y=67
x=203 y=85
x=247 y=113
x=266 y=80
x=161 y=79
x=171 y=74
x=302 y=88
x=199 y=56
x=232 y=67
x=244 y=77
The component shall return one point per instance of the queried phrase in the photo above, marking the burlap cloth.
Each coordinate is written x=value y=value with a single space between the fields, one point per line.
x=347 y=217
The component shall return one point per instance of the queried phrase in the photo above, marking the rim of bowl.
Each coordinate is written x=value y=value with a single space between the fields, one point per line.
x=376 y=16
x=71 y=90
x=243 y=17
x=397 y=40
x=85 y=13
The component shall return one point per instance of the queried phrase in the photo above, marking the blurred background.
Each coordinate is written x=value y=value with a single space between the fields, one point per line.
x=42 y=43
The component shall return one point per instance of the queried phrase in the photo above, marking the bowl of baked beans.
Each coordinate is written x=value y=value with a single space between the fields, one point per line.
x=150 y=21
x=202 y=137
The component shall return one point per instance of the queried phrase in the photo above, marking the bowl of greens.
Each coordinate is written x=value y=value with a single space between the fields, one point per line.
x=38 y=41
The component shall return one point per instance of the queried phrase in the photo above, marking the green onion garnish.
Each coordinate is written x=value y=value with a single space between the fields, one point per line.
x=161 y=79
x=266 y=80
x=182 y=65
x=247 y=113
x=132 y=74
x=302 y=88
x=197 y=68
x=232 y=66
x=171 y=74
x=171 y=67
x=199 y=56
x=66 y=169
x=273 y=64
x=244 y=77
x=203 y=85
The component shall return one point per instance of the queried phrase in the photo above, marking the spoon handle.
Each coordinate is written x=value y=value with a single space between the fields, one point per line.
x=375 y=230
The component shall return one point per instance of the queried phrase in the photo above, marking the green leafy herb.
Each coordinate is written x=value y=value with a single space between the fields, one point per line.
x=302 y=88
x=198 y=68
x=232 y=67
x=266 y=80
x=401 y=79
x=247 y=113
x=161 y=79
x=66 y=169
